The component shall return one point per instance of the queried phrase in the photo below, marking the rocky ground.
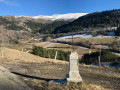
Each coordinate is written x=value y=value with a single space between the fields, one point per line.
x=9 y=81
x=51 y=76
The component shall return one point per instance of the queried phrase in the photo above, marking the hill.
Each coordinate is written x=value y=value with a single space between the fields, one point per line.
x=94 y=20
x=37 y=23
x=13 y=28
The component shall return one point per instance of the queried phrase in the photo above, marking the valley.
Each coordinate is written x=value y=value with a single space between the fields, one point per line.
x=34 y=51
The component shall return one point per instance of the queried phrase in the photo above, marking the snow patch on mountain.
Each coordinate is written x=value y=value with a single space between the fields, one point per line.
x=54 y=17
x=60 y=16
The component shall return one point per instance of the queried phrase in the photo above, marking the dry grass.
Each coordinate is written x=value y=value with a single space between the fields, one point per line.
x=90 y=86
x=107 y=68
x=94 y=40
x=19 y=47
x=104 y=40
x=94 y=87
x=11 y=54
x=59 y=46
x=41 y=44
x=69 y=86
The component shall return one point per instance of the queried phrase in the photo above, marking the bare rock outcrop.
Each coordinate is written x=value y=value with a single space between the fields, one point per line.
x=9 y=81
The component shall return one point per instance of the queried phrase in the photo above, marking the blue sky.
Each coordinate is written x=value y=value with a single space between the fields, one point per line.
x=49 y=7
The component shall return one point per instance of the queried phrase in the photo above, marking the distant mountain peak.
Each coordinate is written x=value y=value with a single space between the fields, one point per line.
x=60 y=16
x=69 y=16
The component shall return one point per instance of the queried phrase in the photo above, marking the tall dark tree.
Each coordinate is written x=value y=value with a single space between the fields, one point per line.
x=117 y=32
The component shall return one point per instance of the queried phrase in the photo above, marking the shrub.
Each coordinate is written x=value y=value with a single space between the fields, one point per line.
x=50 y=53
x=106 y=56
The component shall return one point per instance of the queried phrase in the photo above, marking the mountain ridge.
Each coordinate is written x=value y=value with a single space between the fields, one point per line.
x=62 y=23
x=57 y=16
x=92 y=21
x=37 y=23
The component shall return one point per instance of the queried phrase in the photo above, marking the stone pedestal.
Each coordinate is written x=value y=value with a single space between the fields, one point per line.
x=74 y=75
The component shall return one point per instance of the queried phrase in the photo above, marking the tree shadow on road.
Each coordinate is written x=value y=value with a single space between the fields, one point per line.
x=59 y=81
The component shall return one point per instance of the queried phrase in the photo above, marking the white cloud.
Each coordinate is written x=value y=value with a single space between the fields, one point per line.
x=9 y=3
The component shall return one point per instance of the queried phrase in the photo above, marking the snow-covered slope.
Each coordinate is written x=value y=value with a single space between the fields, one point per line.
x=58 y=16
